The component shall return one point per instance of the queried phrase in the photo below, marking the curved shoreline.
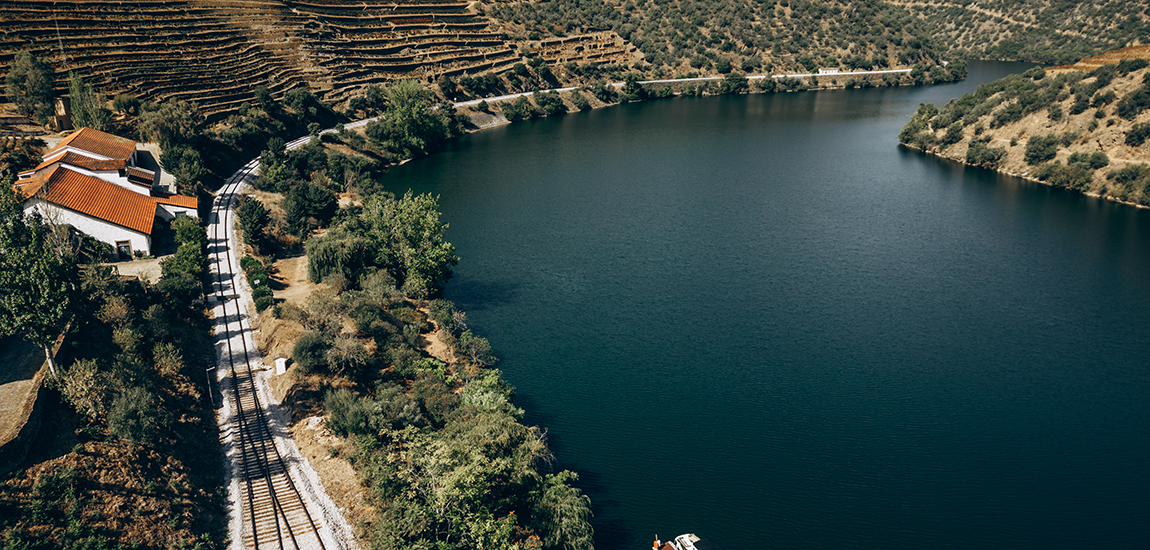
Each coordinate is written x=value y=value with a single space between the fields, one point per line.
x=1023 y=176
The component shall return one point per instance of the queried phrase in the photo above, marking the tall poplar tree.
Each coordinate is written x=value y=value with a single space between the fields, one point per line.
x=87 y=105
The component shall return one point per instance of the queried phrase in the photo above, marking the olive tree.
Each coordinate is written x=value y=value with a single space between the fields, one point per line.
x=30 y=85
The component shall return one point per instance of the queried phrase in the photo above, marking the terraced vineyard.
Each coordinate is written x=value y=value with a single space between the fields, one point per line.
x=216 y=52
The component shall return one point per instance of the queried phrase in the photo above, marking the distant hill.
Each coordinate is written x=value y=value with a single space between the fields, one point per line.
x=718 y=36
x=1043 y=31
x=216 y=52
x=1083 y=130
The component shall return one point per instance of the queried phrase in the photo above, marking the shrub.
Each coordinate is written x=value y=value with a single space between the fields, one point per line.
x=1133 y=176
x=520 y=109
x=350 y=414
x=310 y=351
x=1134 y=103
x=261 y=292
x=1012 y=112
x=1074 y=176
x=136 y=416
x=1093 y=161
x=1041 y=148
x=443 y=313
x=168 y=359
x=953 y=134
x=264 y=302
x=347 y=357
x=981 y=154
x=1138 y=134
x=580 y=101
x=247 y=263
x=86 y=389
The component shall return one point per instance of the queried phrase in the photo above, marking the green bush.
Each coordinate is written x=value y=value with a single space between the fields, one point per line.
x=1138 y=134
x=1041 y=148
x=248 y=262
x=1092 y=161
x=1074 y=176
x=580 y=101
x=350 y=414
x=264 y=302
x=310 y=352
x=981 y=154
x=550 y=103
x=1133 y=176
x=261 y=292
x=136 y=416
x=520 y=109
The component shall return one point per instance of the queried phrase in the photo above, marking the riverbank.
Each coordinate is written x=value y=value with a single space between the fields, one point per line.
x=491 y=112
x=1085 y=131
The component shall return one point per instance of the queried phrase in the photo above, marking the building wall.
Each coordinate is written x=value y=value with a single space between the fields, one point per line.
x=169 y=211
x=94 y=227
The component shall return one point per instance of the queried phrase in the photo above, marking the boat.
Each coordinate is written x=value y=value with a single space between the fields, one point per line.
x=687 y=541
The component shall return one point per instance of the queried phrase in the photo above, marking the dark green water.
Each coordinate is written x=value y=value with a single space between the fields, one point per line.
x=758 y=319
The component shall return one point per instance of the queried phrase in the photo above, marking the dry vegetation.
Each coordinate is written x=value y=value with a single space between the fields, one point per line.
x=1065 y=126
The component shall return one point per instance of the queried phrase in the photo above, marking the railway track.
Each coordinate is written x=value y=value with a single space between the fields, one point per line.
x=274 y=513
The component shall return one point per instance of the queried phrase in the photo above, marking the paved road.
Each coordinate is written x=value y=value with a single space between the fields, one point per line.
x=675 y=81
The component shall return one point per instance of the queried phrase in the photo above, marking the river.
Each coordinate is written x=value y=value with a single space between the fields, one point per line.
x=758 y=319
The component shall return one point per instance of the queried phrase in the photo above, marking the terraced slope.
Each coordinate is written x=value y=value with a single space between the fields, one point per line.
x=216 y=52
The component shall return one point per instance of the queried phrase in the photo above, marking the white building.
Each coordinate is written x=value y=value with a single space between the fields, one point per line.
x=828 y=71
x=90 y=180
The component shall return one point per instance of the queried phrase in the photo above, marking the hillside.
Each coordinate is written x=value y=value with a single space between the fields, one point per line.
x=719 y=36
x=1042 y=31
x=1087 y=131
x=216 y=52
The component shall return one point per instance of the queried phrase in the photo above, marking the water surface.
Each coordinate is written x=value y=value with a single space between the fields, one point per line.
x=758 y=319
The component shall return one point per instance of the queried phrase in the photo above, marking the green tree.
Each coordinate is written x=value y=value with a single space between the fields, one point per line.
x=171 y=123
x=136 y=416
x=191 y=257
x=308 y=205
x=411 y=238
x=1041 y=148
x=36 y=284
x=87 y=105
x=254 y=218
x=410 y=126
x=186 y=164
x=126 y=104
x=30 y=85
x=562 y=514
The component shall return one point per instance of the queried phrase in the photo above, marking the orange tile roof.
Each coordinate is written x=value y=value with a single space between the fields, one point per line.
x=94 y=197
x=100 y=143
x=179 y=200
x=139 y=176
x=82 y=161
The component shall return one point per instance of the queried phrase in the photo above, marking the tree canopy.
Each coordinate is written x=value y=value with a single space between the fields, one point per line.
x=36 y=284
x=30 y=85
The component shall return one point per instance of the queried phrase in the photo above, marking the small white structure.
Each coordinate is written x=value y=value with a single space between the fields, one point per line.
x=828 y=71
x=281 y=365
x=90 y=181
